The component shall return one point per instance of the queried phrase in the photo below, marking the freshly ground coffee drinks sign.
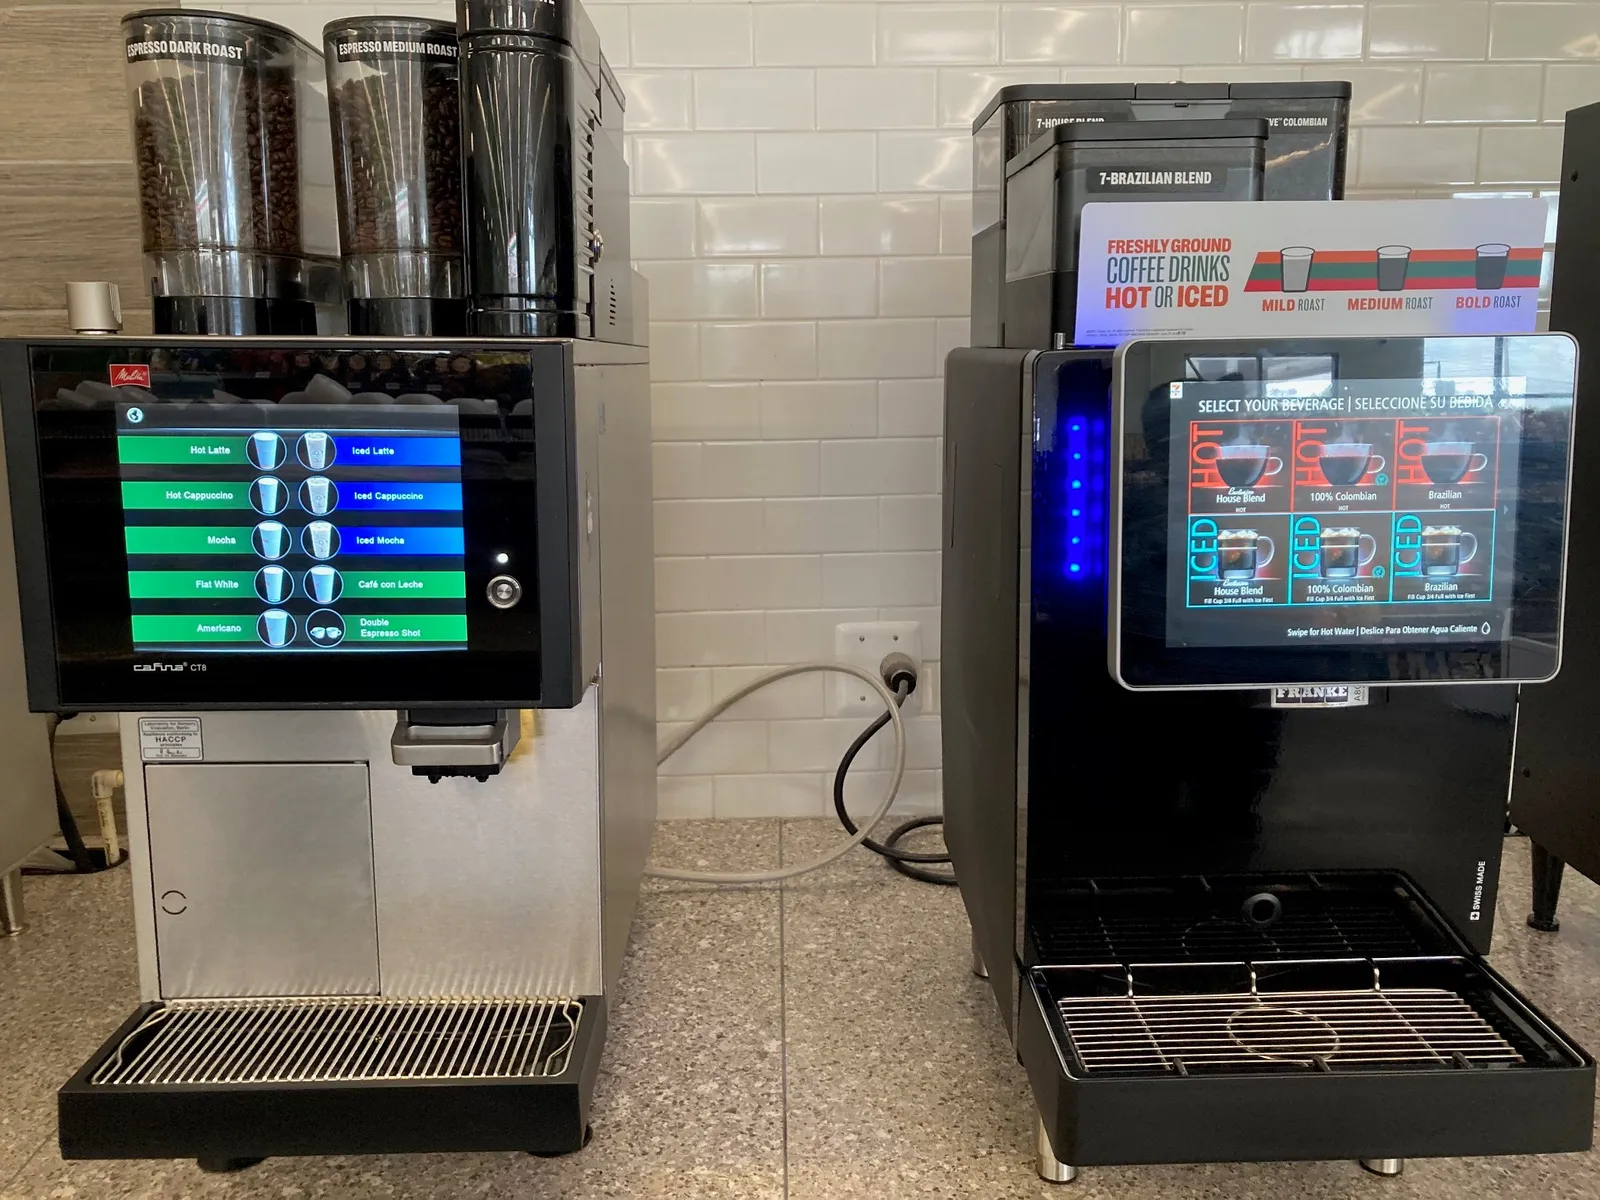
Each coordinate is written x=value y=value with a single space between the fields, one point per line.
x=1291 y=268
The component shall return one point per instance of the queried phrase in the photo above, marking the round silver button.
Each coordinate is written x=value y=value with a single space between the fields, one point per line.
x=504 y=591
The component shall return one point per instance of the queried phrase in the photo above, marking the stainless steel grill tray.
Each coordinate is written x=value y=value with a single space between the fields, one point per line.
x=336 y=1040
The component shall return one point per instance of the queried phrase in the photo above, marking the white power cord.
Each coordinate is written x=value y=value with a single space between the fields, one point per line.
x=678 y=741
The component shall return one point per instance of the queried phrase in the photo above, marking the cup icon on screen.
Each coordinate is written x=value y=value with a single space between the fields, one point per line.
x=316 y=450
x=1450 y=462
x=320 y=540
x=1446 y=549
x=274 y=584
x=319 y=495
x=1344 y=463
x=266 y=450
x=275 y=627
x=1343 y=552
x=1296 y=266
x=325 y=627
x=1393 y=263
x=1489 y=268
x=269 y=496
x=323 y=584
x=1243 y=466
x=1240 y=552
x=270 y=539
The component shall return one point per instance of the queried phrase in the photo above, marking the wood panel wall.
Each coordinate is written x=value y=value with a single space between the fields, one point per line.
x=68 y=208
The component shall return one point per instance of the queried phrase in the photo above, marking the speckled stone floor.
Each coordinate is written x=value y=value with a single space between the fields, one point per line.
x=823 y=1039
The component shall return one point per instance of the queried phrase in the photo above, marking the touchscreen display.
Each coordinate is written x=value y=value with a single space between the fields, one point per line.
x=1320 y=512
x=271 y=528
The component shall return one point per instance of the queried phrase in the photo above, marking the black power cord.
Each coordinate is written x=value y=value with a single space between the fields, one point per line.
x=900 y=673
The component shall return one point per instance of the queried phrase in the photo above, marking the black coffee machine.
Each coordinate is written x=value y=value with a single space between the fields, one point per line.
x=1230 y=706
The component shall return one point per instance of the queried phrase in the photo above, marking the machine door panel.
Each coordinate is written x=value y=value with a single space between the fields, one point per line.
x=263 y=879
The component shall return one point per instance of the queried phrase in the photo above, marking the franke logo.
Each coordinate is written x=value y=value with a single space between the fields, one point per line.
x=130 y=375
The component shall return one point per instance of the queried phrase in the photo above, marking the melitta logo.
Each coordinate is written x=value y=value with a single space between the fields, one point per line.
x=130 y=375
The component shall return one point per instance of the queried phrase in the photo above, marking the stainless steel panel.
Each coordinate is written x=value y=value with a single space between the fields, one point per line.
x=262 y=879
x=628 y=644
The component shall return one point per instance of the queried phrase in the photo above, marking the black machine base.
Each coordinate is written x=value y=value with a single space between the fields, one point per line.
x=407 y=318
x=233 y=316
x=1547 y=872
x=226 y=1126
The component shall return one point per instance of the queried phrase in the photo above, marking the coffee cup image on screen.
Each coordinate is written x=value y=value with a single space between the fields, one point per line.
x=323 y=584
x=275 y=627
x=1345 y=463
x=319 y=495
x=1343 y=550
x=266 y=451
x=325 y=627
x=274 y=584
x=1245 y=465
x=1242 y=552
x=320 y=540
x=271 y=539
x=317 y=451
x=269 y=495
x=1450 y=462
x=1446 y=549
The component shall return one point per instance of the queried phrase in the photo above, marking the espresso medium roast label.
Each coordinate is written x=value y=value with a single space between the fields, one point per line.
x=208 y=49
x=1166 y=177
x=360 y=48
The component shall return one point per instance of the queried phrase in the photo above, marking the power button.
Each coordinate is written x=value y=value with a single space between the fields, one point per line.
x=504 y=591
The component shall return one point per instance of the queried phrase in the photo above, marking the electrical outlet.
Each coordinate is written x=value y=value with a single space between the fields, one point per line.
x=866 y=644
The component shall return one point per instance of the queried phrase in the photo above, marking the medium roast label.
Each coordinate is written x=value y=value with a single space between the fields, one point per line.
x=393 y=48
x=1171 y=178
x=214 y=51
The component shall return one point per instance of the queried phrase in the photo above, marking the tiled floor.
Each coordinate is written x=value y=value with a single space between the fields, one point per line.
x=822 y=1039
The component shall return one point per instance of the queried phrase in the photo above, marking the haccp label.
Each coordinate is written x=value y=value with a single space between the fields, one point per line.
x=168 y=739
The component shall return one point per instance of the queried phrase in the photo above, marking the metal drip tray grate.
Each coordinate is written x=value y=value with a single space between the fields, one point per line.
x=344 y=1039
x=1325 y=1030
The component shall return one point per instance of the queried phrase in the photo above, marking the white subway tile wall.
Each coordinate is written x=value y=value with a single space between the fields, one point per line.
x=800 y=177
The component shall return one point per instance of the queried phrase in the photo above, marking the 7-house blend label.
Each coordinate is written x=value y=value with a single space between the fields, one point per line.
x=261 y=529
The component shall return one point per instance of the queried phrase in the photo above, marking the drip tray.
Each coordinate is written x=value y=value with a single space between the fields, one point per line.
x=1318 y=1059
x=251 y=1078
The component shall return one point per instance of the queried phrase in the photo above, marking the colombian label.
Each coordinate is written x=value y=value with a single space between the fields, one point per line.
x=165 y=739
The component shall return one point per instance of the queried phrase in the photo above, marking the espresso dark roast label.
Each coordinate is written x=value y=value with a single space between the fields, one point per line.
x=1166 y=177
x=207 y=49
x=359 y=48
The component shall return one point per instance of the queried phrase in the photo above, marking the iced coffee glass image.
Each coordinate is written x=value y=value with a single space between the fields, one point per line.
x=1345 y=463
x=1450 y=462
x=1246 y=465
x=320 y=540
x=317 y=451
x=319 y=495
x=1342 y=552
x=1446 y=549
x=1241 y=552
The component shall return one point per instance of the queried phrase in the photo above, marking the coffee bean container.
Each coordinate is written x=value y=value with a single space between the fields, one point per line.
x=234 y=169
x=393 y=100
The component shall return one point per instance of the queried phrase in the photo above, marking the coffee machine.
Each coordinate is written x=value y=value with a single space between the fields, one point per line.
x=1234 y=630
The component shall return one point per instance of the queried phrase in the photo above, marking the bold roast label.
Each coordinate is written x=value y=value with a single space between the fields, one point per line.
x=140 y=51
x=1157 y=179
x=394 y=48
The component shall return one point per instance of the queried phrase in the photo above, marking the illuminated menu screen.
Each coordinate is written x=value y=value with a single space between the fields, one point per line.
x=1377 y=512
x=269 y=528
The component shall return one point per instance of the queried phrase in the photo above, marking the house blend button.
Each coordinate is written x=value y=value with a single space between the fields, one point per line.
x=504 y=591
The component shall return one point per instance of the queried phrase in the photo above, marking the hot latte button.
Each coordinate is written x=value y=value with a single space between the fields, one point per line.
x=504 y=591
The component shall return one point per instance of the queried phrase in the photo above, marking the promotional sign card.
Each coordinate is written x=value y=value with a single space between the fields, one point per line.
x=1308 y=268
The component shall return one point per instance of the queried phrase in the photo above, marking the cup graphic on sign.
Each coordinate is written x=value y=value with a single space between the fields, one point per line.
x=1345 y=463
x=320 y=540
x=319 y=495
x=1393 y=263
x=325 y=627
x=1450 y=462
x=268 y=496
x=1243 y=466
x=274 y=584
x=1343 y=551
x=1489 y=267
x=275 y=627
x=270 y=539
x=266 y=451
x=323 y=584
x=1446 y=549
x=1295 y=264
x=1241 y=552
x=316 y=450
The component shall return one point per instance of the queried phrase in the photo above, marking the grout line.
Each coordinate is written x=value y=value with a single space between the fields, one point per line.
x=26 y=1163
x=783 y=1011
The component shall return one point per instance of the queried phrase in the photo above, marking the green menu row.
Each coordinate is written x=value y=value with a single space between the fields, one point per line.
x=212 y=585
x=166 y=629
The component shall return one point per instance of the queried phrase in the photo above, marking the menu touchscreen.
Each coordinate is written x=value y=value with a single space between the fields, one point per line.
x=272 y=528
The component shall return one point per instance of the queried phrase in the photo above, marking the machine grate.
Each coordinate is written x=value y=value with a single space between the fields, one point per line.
x=1327 y=1031
x=345 y=1039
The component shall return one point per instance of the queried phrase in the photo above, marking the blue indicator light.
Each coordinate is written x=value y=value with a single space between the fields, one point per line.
x=1075 y=428
x=1075 y=541
x=1077 y=512
x=1077 y=455
x=1077 y=483
x=1075 y=567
